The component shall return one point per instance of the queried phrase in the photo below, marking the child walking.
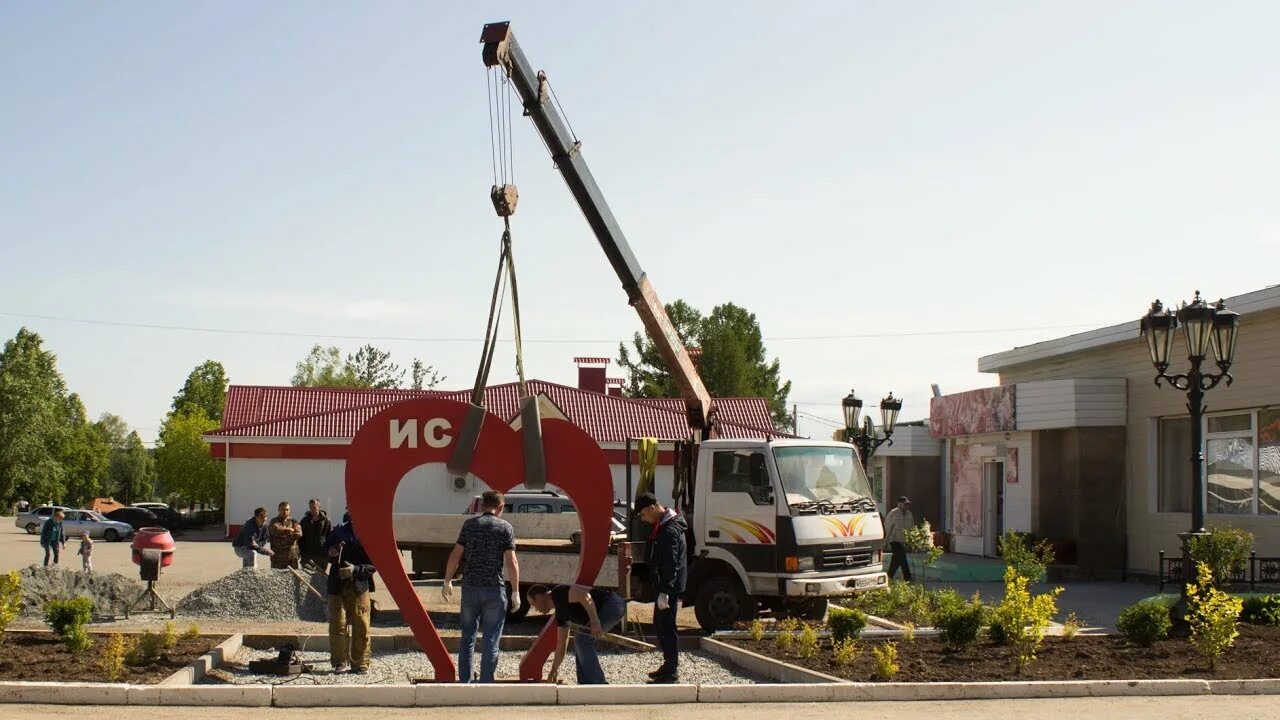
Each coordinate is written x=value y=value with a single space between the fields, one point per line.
x=86 y=553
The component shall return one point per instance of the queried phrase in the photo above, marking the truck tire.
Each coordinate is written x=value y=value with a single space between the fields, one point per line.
x=721 y=602
x=810 y=609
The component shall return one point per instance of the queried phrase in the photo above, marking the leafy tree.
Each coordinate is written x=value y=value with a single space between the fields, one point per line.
x=113 y=429
x=131 y=476
x=85 y=454
x=183 y=462
x=368 y=367
x=33 y=420
x=734 y=362
x=424 y=376
x=205 y=388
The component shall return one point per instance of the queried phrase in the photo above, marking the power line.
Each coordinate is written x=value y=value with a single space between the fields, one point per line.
x=822 y=420
x=579 y=341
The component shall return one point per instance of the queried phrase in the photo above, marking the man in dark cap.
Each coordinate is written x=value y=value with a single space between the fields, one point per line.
x=668 y=564
x=350 y=582
x=896 y=524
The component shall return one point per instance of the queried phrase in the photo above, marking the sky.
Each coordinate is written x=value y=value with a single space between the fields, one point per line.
x=895 y=189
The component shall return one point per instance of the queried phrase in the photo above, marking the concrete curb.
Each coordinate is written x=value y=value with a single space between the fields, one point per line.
x=626 y=694
x=348 y=696
x=195 y=672
x=436 y=695
x=64 y=693
x=766 y=666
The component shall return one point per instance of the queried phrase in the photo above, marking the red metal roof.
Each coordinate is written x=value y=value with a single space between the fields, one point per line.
x=294 y=412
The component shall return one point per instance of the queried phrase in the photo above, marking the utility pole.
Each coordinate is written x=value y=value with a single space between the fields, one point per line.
x=795 y=418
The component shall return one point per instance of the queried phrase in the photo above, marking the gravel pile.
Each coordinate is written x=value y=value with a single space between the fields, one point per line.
x=402 y=666
x=111 y=593
x=258 y=594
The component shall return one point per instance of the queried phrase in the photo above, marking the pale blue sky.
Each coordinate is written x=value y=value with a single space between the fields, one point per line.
x=839 y=168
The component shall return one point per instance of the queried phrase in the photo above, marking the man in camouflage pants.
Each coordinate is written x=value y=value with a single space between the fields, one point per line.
x=283 y=534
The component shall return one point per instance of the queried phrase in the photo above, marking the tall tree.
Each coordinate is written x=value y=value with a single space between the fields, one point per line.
x=734 y=361
x=368 y=367
x=183 y=462
x=33 y=420
x=131 y=476
x=85 y=454
x=205 y=388
x=113 y=429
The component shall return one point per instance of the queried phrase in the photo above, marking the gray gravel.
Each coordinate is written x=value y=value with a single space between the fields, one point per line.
x=401 y=666
x=258 y=594
x=111 y=593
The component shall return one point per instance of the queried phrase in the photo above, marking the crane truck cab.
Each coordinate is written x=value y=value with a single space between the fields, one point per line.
x=780 y=524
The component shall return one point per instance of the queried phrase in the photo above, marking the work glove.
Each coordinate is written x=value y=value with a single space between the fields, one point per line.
x=346 y=570
x=446 y=590
x=664 y=603
x=513 y=602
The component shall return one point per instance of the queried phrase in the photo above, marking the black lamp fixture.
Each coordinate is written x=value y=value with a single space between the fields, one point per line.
x=1206 y=328
x=865 y=437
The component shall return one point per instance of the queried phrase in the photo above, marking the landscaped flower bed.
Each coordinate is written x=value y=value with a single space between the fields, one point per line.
x=44 y=656
x=1256 y=654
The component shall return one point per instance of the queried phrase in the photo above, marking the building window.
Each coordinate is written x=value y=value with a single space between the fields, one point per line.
x=1242 y=464
x=1174 y=475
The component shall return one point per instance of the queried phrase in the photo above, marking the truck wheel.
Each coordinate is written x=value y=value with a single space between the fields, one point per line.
x=32 y=528
x=812 y=609
x=721 y=602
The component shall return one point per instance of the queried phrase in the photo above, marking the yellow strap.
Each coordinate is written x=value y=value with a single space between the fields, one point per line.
x=648 y=449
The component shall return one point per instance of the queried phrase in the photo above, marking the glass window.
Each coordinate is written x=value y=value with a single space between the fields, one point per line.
x=822 y=474
x=1269 y=462
x=1229 y=475
x=1231 y=423
x=740 y=472
x=534 y=508
x=1174 y=479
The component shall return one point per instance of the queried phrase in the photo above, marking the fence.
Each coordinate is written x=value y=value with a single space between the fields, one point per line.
x=1257 y=571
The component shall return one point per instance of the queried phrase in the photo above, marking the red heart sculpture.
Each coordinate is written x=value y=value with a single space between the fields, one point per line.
x=417 y=432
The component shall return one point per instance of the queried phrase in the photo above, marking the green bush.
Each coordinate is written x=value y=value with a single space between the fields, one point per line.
x=959 y=626
x=1143 y=623
x=64 y=616
x=885 y=658
x=899 y=601
x=1029 y=561
x=1212 y=614
x=807 y=643
x=1224 y=549
x=846 y=624
x=1262 y=610
x=10 y=599
x=1023 y=618
x=77 y=640
x=145 y=650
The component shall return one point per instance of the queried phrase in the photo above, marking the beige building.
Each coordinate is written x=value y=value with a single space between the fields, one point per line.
x=1079 y=446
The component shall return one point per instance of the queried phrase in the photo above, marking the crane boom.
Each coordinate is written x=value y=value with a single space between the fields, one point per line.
x=502 y=50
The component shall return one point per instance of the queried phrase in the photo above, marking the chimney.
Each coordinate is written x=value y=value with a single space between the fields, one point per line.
x=614 y=386
x=591 y=373
x=695 y=355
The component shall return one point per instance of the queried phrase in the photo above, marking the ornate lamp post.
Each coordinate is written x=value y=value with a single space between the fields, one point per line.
x=1206 y=327
x=865 y=437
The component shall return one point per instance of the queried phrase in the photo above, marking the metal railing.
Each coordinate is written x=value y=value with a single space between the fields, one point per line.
x=1257 y=571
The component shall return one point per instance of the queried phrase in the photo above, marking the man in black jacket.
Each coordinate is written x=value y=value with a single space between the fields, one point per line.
x=668 y=564
x=315 y=530
x=350 y=582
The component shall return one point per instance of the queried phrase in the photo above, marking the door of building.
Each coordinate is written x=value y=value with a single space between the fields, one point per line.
x=993 y=506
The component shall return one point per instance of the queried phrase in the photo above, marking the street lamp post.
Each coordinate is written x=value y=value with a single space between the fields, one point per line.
x=865 y=437
x=1206 y=327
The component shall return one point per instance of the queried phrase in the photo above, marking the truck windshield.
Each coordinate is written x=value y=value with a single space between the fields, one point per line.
x=813 y=477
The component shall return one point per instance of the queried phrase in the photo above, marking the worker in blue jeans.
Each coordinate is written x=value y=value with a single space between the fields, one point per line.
x=486 y=547
x=597 y=609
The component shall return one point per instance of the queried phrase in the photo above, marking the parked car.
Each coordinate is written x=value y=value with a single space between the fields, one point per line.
x=136 y=517
x=547 y=501
x=169 y=518
x=33 y=519
x=76 y=522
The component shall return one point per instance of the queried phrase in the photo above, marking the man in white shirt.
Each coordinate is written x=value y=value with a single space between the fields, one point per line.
x=895 y=527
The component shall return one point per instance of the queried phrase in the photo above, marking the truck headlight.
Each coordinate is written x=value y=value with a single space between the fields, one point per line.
x=805 y=564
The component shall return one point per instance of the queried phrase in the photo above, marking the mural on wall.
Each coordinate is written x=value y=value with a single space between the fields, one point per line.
x=973 y=412
x=966 y=491
x=966 y=484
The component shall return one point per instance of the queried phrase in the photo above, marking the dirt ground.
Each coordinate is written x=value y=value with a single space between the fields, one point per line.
x=204 y=556
x=1080 y=658
x=42 y=656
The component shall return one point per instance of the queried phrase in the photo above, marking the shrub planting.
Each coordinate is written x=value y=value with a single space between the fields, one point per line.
x=1261 y=610
x=846 y=624
x=844 y=652
x=1143 y=623
x=10 y=600
x=1022 y=617
x=908 y=631
x=169 y=635
x=145 y=649
x=65 y=615
x=1212 y=614
x=757 y=630
x=886 y=660
x=959 y=626
x=1071 y=626
x=807 y=642
x=192 y=633
x=1225 y=550
x=785 y=637
x=1029 y=561
x=111 y=661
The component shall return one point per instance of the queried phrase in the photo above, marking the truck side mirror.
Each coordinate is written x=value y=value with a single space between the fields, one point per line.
x=761 y=488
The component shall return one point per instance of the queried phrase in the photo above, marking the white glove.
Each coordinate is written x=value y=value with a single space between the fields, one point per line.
x=346 y=570
x=513 y=602
x=664 y=602
x=446 y=590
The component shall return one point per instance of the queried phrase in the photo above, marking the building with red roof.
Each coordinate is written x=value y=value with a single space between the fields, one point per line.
x=290 y=443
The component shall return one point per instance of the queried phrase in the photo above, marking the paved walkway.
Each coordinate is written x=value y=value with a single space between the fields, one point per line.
x=1155 y=708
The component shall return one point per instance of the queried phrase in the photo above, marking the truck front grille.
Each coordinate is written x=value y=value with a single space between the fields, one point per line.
x=845 y=557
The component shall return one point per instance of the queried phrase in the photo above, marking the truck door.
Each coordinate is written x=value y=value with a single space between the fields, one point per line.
x=740 y=511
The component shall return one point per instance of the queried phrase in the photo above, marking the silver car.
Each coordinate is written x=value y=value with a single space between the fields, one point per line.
x=76 y=522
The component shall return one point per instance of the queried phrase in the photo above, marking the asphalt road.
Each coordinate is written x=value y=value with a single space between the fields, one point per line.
x=1155 y=708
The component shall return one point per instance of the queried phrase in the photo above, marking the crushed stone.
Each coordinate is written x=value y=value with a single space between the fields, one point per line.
x=111 y=593
x=258 y=594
